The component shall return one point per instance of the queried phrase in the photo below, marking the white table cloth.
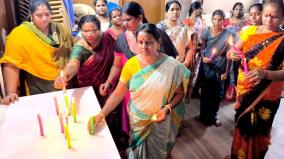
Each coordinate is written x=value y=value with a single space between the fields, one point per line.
x=20 y=135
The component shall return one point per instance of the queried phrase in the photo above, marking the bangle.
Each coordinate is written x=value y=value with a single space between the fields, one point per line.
x=169 y=107
x=101 y=114
x=12 y=93
x=109 y=83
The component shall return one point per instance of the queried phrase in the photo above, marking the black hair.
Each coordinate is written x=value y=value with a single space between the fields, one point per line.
x=89 y=18
x=114 y=9
x=259 y=6
x=150 y=29
x=238 y=4
x=219 y=12
x=134 y=9
x=170 y=2
x=278 y=4
x=194 y=6
x=96 y=1
x=35 y=3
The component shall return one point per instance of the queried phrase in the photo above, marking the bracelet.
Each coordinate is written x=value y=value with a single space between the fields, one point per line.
x=109 y=83
x=12 y=93
x=169 y=107
x=101 y=114
x=265 y=72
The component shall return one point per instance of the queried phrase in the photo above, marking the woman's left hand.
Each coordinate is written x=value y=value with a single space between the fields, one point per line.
x=206 y=60
x=224 y=76
x=254 y=77
x=161 y=115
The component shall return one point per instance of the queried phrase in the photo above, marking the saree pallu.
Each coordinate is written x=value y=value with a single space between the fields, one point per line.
x=256 y=105
x=123 y=50
x=40 y=56
x=95 y=70
x=151 y=88
x=180 y=36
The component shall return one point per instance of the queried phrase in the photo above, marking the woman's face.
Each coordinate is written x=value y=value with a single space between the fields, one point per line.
x=147 y=44
x=41 y=17
x=173 y=13
x=217 y=21
x=198 y=12
x=116 y=18
x=238 y=12
x=130 y=22
x=271 y=17
x=101 y=8
x=255 y=16
x=90 y=32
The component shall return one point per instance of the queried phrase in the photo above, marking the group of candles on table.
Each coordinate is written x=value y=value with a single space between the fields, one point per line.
x=244 y=60
x=62 y=114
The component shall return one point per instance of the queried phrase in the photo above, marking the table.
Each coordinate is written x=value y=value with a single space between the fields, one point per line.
x=276 y=148
x=20 y=135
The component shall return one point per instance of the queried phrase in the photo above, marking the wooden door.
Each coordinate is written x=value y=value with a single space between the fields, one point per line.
x=154 y=9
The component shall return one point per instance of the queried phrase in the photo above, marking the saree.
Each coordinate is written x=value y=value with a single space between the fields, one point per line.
x=212 y=86
x=41 y=57
x=151 y=88
x=95 y=64
x=256 y=105
x=122 y=49
x=180 y=36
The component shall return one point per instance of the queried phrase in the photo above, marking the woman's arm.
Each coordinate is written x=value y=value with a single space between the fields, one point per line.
x=11 y=79
x=114 y=72
x=70 y=70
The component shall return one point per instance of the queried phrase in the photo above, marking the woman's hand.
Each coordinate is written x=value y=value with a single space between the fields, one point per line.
x=96 y=121
x=206 y=60
x=104 y=88
x=58 y=82
x=224 y=76
x=10 y=98
x=235 y=55
x=161 y=115
x=254 y=77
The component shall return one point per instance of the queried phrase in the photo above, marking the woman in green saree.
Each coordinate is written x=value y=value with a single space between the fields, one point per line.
x=157 y=84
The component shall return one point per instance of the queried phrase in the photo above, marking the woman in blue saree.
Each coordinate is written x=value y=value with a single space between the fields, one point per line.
x=157 y=84
x=214 y=68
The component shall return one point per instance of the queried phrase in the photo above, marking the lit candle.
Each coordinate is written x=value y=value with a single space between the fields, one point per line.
x=56 y=105
x=74 y=110
x=212 y=53
x=154 y=117
x=92 y=121
x=63 y=81
x=67 y=135
x=40 y=124
x=60 y=117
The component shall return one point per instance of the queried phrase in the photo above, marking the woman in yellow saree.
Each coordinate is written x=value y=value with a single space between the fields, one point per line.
x=40 y=48
x=157 y=84
x=259 y=84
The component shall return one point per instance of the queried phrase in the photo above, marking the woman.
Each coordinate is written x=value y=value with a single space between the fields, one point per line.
x=179 y=34
x=39 y=48
x=237 y=15
x=255 y=11
x=214 y=70
x=258 y=86
x=126 y=47
x=116 y=23
x=91 y=57
x=151 y=95
x=101 y=13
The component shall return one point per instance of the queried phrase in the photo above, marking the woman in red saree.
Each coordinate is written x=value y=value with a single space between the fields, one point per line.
x=259 y=83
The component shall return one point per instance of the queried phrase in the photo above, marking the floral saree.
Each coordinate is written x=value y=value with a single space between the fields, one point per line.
x=150 y=89
x=256 y=105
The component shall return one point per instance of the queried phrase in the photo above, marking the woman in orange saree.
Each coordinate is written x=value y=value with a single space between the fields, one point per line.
x=259 y=83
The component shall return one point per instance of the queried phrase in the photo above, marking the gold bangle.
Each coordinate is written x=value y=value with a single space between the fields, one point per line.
x=101 y=114
x=169 y=107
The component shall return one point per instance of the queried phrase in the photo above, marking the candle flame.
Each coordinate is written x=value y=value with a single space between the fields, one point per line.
x=61 y=73
x=154 y=117
x=231 y=41
x=214 y=51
